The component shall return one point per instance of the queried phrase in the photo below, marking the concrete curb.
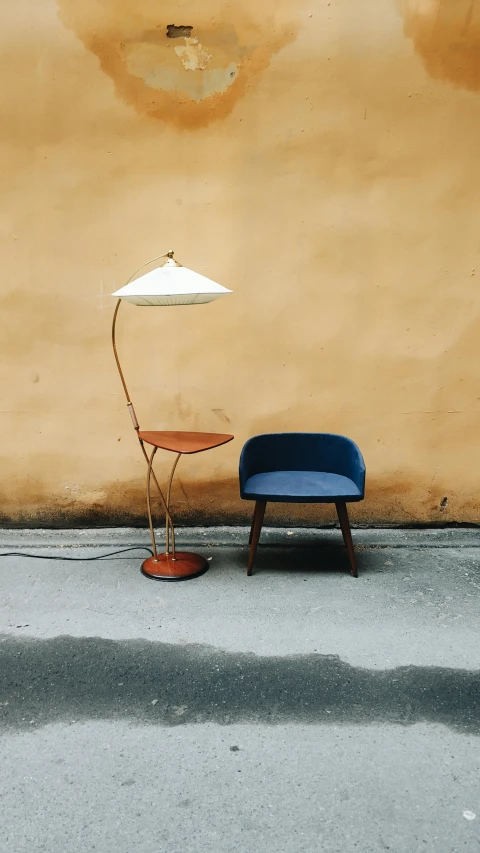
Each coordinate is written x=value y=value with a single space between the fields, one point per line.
x=14 y=539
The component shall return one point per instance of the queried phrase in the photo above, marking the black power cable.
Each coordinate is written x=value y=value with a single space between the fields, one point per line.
x=77 y=559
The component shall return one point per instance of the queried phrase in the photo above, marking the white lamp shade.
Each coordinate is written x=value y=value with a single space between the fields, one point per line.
x=171 y=284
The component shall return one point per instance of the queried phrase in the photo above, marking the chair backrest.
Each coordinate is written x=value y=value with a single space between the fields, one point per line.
x=302 y=451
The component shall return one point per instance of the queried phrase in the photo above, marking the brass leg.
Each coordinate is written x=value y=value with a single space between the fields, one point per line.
x=342 y=513
x=178 y=565
x=257 y=527
x=149 y=504
x=164 y=504
x=169 y=523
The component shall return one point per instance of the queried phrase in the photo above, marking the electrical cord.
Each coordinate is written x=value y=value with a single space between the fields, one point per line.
x=76 y=559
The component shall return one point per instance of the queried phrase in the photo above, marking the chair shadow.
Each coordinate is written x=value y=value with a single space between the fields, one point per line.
x=304 y=558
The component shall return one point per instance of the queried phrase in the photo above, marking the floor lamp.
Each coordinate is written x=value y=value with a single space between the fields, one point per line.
x=168 y=284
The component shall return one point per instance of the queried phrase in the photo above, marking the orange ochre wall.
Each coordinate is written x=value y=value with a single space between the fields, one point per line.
x=318 y=157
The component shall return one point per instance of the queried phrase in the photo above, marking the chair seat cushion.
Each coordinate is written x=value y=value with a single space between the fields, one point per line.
x=300 y=487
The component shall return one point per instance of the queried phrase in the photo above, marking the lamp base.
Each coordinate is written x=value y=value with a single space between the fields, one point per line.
x=184 y=567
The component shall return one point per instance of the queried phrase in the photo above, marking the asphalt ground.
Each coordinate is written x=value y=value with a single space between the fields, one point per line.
x=296 y=710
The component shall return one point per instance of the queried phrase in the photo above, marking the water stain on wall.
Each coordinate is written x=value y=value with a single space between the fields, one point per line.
x=187 y=64
x=446 y=35
x=391 y=499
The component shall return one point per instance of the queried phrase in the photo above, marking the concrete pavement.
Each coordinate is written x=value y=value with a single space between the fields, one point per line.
x=297 y=710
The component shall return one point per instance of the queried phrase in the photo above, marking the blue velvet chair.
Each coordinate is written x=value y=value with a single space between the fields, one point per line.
x=301 y=467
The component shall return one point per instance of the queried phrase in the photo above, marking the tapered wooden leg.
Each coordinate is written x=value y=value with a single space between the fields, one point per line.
x=347 y=535
x=258 y=516
x=251 y=526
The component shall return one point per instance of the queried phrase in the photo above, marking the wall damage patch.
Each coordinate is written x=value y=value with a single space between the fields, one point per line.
x=175 y=32
x=193 y=55
x=186 y=74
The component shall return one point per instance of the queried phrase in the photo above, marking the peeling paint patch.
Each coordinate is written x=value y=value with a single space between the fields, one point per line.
x=188 y=75
x=193 y=55
x=145 y=63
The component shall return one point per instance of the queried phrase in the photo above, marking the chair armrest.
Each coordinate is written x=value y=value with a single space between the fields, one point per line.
x=357 y=467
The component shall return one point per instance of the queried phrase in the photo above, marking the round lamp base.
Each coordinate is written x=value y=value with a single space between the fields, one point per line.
x=182 y=568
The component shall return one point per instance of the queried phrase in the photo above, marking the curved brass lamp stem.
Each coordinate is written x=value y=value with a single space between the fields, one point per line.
x=151 y=473
x=114 y=343
x=149 y=503
x=169 y=525
x=164 y=503
x=115 y=352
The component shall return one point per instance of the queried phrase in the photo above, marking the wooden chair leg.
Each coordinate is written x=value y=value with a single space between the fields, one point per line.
x=252 y=524
x=258 y=516
x=347 y=534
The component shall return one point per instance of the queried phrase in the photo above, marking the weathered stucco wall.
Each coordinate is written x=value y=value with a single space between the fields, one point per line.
x=319 y=158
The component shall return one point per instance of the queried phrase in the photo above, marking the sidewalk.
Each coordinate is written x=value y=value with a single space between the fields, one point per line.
x=296 y=710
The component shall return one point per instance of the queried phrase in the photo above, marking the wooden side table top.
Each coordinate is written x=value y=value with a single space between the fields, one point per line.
x=184 y=442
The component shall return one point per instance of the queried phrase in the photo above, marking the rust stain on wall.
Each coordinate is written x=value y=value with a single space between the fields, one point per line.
x=446 y=34
x=186 y=65
x=391 y=499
